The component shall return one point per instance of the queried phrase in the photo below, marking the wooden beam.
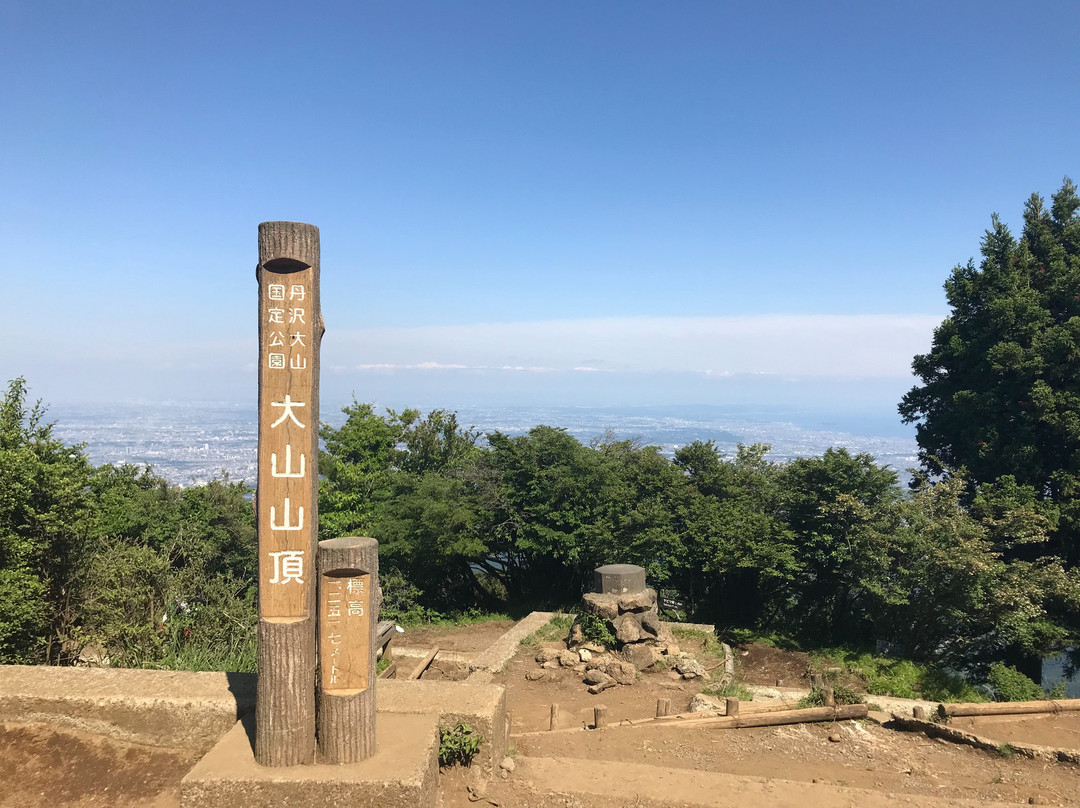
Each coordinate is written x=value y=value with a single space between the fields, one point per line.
x=1009 y=707
x=418 y=671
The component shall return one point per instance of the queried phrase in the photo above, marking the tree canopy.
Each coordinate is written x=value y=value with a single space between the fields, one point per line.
x=1000 y=392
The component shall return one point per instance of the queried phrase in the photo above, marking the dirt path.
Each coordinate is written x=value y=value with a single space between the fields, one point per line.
x=476 y=637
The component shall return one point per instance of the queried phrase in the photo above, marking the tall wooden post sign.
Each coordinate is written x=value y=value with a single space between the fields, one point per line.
x=286 y=500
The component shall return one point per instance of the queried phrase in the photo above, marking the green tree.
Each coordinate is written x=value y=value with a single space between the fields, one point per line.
x=740 y=557
x=44 y=510
x=837 y=506
x=1000 y=392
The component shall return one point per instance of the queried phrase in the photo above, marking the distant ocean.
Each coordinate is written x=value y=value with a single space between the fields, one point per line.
x=191 y=442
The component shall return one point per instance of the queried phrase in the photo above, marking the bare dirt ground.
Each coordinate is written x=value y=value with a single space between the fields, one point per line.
x=862 y=764
x=477 y=637
x=1061 y=730
x=852 y=763
x=42 y=766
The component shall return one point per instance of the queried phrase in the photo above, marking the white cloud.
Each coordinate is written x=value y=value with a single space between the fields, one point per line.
x=790 y=345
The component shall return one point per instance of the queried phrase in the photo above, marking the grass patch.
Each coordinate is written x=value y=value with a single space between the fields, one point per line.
x=556 y=629
x=745 y=636
x=901 y=678
x=701 y=644
x=1006 y=751
x=735 y=690
x=382 y=664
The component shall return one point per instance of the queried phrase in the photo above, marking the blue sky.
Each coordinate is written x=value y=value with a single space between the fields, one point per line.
x=602 y=202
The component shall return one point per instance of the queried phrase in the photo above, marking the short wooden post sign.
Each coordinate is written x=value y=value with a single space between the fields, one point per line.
x=348 y=616
x=290 y=332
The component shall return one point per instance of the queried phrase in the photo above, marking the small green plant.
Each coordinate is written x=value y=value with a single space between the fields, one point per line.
x=458 y=744
x=594 y=629
x=1011 y=685
x=1006 y=750
x=841 y=694
x=382 y=664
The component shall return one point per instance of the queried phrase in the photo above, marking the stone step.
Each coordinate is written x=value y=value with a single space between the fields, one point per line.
x=663 y=787
x=403 y=773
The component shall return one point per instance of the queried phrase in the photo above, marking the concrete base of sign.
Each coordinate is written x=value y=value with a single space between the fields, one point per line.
x=403 y=772
x=481 y=706
x=161 y=708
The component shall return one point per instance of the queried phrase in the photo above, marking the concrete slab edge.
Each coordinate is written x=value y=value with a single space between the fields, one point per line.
x=501 y=651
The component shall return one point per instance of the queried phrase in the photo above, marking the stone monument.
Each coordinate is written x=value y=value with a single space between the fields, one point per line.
x=629 y=610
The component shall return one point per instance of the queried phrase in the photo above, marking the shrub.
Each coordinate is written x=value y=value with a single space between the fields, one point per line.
x=458 y=744
x=841 y=694
x=1010 y=685
x=594 y=629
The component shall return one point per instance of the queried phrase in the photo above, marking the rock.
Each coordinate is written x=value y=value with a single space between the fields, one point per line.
x=507 y=764
x=576 y=636
x=650 y=621
x=637 y=601
x=594 y=647
x=551 y=663
x=690 y=668
x=477 y=792
x=584 y=654
x=535 y=676
x=580 y=668
x=672 y=650
x=601 y=687
x=568 y=659
x=640 y=655
x=707 y=704
x=665 y=637
x=545 y=655
x=605 y=606
x=622 y=672
x=596 y=676
x=835 y=738
x=627 y=628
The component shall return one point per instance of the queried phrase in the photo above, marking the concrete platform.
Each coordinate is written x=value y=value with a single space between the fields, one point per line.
x=501 y=651
x=403 y=773
x=481 y=706
x=160 y=708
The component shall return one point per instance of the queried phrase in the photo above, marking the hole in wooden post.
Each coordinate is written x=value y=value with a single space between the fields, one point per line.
x=285 y=265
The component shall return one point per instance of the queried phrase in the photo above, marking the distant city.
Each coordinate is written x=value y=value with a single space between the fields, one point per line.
x=190 y=443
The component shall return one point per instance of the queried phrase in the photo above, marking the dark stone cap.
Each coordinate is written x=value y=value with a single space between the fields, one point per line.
x=618 y=579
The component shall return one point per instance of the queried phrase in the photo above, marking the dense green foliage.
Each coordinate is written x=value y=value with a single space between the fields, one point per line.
x=114 y=563
x=828 y=550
